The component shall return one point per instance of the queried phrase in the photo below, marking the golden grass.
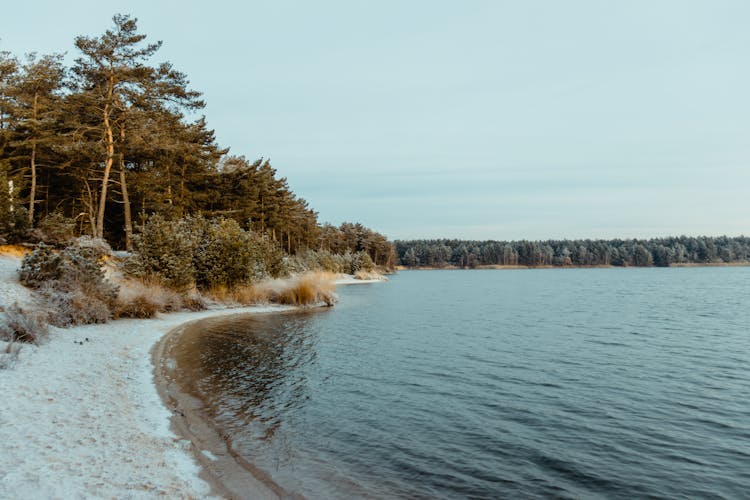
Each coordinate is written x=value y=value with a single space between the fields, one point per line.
x=250 y=295
x=144 y=298
x=245 y=294
x=15 y=250
x=308 y=289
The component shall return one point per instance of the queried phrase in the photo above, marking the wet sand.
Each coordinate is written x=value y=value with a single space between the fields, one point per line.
x=229 y=474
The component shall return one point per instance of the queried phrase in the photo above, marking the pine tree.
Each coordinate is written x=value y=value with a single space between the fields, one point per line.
x=37 y=114
x=114 y=79
x=8 y=71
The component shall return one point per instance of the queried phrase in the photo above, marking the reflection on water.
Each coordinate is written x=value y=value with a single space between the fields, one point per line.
x=245 y=367
x=559 y=383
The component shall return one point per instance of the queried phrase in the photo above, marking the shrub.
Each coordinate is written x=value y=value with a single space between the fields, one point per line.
x=205 y=253
x=164 y=249
x=20 y=325
x=360 y=261
x=72 y=281
x=323 y=260
x=75 y=307
x=317 y=260
x=269 y=258
x=225 y=255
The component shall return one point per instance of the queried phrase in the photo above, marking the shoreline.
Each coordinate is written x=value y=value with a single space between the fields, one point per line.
x=82 y=415
x=228 y=473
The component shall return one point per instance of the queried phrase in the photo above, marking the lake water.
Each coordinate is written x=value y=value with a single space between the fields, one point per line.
x=576 y=383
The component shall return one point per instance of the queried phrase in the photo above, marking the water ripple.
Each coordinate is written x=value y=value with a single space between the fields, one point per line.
x=535 y=384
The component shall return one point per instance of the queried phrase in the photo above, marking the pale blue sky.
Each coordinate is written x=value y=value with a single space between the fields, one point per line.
x=467 y=119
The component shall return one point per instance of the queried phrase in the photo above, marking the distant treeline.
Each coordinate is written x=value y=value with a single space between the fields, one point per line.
x=642 y=253
x=108 y=143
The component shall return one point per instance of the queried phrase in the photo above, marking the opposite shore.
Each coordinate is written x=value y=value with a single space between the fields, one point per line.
x=516 y=267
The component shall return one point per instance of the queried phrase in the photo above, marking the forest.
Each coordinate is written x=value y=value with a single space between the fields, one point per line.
x=106 y=144
x=661 y=252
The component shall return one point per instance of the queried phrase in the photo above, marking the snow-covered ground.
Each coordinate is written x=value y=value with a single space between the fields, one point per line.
x=11 y=290
x=80 y=415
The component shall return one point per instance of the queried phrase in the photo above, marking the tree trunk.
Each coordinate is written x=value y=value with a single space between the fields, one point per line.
x=32 y=191
x=89 y=204
x=125 y=197
x=126 y=209
x=107 y=163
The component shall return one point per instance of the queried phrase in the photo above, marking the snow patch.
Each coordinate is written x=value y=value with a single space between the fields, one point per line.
x=81 y=416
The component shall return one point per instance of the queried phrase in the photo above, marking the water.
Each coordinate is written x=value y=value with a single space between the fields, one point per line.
x=582 y=383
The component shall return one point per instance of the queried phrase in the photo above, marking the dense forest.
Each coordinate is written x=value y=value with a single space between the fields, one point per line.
x=107 y=143
x=643 y=253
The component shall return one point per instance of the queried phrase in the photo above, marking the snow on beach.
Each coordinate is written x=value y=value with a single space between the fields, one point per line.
x=11 y=290
x=81 y=416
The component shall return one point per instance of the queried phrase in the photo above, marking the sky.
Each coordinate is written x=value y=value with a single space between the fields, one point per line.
x=465 y=119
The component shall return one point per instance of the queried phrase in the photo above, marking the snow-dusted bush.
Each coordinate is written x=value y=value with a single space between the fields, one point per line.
x=206 y=253
x=323 y=260
x=19 y=325
x=360 y=261
x=316 y=260
x=72 y=281
x=225 y=255
x=164 y=249
x=75 y=307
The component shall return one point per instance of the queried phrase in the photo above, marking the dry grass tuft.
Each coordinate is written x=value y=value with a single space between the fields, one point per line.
x=244 y=295
x=308 y=289
x=219 y=293
x=145 y=298
x=194 y=302
x=247 y=295
x=139 y=306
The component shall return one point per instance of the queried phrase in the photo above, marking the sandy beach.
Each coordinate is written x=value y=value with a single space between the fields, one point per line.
x=81 y=415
